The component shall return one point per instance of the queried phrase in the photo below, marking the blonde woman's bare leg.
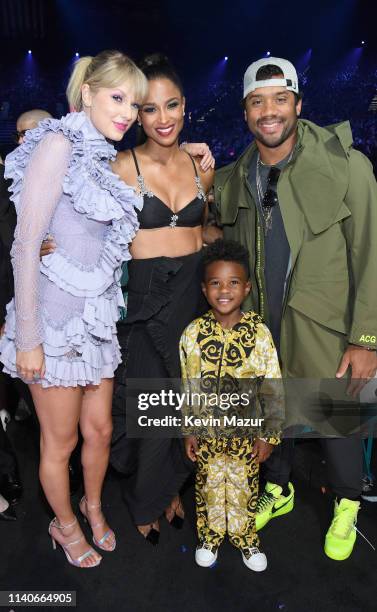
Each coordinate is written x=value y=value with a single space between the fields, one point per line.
x=58 y=410
x=96 y=429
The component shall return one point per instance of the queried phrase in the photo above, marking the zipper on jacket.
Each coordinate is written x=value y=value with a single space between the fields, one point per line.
x=259 y=269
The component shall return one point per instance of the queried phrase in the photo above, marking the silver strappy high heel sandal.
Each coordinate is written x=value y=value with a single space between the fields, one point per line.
x=77 y=562
x=109 y=533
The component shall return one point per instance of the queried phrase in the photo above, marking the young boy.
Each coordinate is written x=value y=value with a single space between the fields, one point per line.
x=223 y=345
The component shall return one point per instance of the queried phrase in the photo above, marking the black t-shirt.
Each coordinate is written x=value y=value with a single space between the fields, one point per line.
x=276 y=248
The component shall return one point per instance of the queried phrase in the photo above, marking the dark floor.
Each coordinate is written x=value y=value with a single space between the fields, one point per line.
x=138 y=577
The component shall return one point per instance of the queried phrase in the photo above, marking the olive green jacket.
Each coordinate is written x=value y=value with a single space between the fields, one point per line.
x=328 y=200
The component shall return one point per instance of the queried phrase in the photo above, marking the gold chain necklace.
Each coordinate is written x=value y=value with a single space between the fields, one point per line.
x=266 y=210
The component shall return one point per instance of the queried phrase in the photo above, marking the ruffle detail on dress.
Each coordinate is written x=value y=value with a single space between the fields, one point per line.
x=93 y=188
x=90 y=281
x=159 y=293
x=101 y=315
x=99 y=194
x=155 y=307
x=155 y=288
x=73 y=354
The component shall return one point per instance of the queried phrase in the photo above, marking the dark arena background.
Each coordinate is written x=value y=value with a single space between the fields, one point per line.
x=333 y=44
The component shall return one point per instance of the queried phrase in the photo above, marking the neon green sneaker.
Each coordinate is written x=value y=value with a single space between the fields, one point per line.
x=341 y=536
x=272 y=503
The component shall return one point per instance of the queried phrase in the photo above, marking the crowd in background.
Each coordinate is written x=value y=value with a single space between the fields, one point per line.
x=218 y=117
x=215 y=113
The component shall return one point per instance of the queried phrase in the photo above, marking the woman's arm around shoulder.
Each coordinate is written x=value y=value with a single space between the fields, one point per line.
x=206 y=176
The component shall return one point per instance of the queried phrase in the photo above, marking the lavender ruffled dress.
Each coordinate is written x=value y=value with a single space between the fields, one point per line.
x=69 y=302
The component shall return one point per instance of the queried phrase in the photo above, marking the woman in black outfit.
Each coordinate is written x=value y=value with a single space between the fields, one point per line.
x=164 y=292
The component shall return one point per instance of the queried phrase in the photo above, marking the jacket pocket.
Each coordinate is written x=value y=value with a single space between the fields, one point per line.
x=324 y=303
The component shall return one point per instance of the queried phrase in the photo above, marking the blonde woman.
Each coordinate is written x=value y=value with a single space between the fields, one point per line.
x=60 y=332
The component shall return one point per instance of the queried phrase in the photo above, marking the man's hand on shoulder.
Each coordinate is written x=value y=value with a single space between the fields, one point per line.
x=211 y=233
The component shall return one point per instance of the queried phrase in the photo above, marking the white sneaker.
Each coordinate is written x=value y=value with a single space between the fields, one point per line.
x=254 y=559
x=204 y=555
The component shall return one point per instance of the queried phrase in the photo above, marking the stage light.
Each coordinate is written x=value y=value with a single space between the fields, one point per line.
x=268 y=53
x=29 y=52
x=77 y=54
x=226 y=58
x=363 y=42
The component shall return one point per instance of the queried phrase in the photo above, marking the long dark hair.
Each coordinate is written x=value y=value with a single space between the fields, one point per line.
x=157 y=66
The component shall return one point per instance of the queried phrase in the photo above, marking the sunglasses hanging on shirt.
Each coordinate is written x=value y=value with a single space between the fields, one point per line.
x=271 y=196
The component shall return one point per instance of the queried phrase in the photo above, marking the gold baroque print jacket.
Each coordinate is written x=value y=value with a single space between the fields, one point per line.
x=221 y=362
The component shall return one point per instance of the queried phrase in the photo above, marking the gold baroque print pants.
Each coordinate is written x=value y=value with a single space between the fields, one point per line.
x=226 y=491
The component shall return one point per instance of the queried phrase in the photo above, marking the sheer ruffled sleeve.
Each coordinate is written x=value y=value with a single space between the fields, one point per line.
x=41 y=190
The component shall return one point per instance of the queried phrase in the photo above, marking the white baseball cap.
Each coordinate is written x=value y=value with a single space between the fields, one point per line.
x=290 y=80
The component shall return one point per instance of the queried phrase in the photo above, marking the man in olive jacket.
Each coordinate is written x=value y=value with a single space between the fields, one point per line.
x=304 y=203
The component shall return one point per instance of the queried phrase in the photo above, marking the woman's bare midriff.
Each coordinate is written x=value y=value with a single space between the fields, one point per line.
x=166 y=242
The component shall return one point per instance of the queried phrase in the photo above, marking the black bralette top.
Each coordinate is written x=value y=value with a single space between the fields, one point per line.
x=155 y=213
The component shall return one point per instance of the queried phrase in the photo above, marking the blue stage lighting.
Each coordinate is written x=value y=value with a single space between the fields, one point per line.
x=77 y=54
x=268 y=53
x=363 y=42
x=226 y=58
x=29 y=52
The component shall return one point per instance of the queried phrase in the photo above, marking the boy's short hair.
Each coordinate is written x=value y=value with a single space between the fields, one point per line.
x=226 y=250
